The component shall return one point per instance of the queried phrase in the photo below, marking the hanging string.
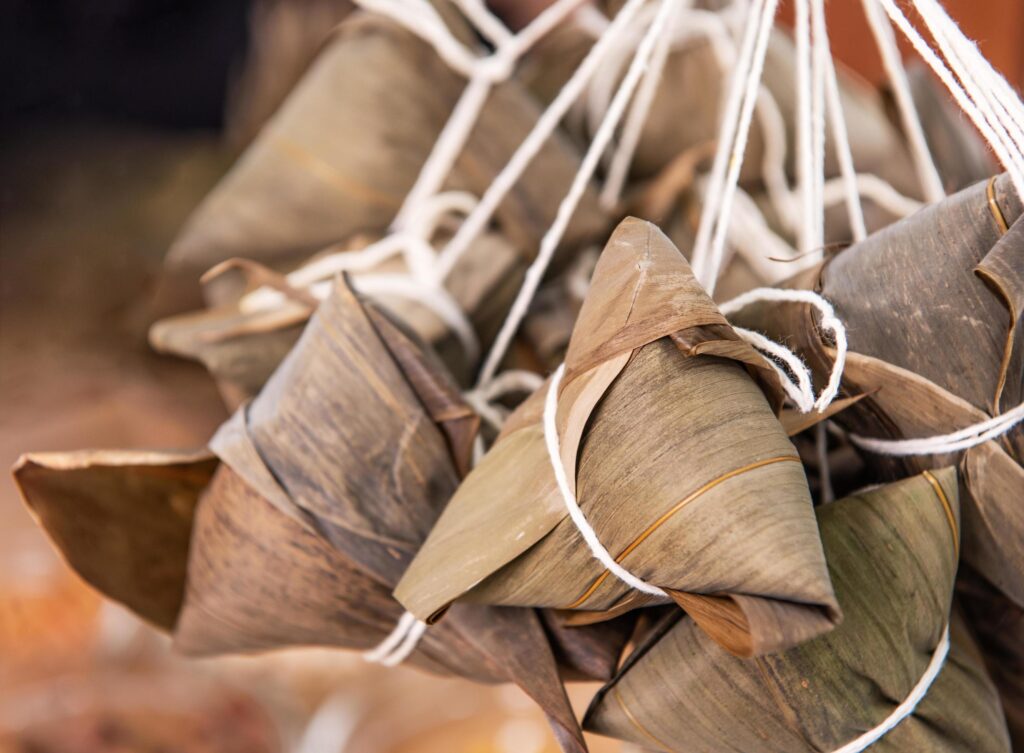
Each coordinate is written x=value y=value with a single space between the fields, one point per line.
x=892 y=61
x=707 y=257
x=975 y=73
x=837 y=119
x=549 y=243
x=956 y=441
x=419 y=284
x=819 y=49
x=993 y=132
x=622 y=158
x=483 y=74
x=531 y=145
x=804 y=128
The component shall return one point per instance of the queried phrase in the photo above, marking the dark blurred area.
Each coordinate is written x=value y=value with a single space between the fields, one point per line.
x=163 y=63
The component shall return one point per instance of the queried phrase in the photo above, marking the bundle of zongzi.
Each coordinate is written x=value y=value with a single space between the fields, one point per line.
x=677 y=459
x=932 y=308
x=241 y=345
x=299 y=522
x=892 y=553
x=343 y=151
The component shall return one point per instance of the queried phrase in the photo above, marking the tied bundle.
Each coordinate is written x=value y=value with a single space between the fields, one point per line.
x=241 y=344
x=892 y=554
x=668 y=435
x=685 y=106
x=933 y=305
x=340 y=155
x=328 y=175
x=297 y=523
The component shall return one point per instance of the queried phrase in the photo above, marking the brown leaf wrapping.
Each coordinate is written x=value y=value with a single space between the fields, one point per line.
x=121 y=519
x=932 y=307
x=328 y=481
x=998 y=624
x=892 y=554
x=680 y=466
x=344 y=149
x=242 y=349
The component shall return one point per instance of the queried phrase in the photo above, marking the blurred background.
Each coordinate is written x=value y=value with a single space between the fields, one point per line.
x=117 y=117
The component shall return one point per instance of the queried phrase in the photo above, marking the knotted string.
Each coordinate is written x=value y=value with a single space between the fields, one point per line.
x=1002 y=125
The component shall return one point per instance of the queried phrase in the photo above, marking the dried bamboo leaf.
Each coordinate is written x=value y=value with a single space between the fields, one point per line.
x=674 y=450
x=121 y=519
x=892 y=553
x=340 y=155
x=932 y=308
x=241 y=349
x=998 y=624
x=327 y=483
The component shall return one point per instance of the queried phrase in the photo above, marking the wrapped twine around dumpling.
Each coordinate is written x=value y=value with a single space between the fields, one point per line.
x=892 y=554
x=298 y=522
x=932 y=307
x=678 y=462
x=341 y=154
x=241 y=346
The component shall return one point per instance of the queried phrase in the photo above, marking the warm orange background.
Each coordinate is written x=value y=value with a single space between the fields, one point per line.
x=997 y=26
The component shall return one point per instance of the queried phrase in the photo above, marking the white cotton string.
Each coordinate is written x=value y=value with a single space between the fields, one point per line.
x=507 y=382
x=804 y=128
x=910 y=703
x=447 y=148
x=975 y=72
x=819 y=62
x=541 y=132
x=801 y=392
x=618 y=171
x=390 y=643
x=606 y=78
x=877 y=190
x=402 y=641
x=726 y=135
x=419 y=285
x=770 y=256
x=993 y=133
x=837 y=120
x=483 y=74
x=892 y=61
x=938 y=445
x=725 y=173
x=829 y=322
x=571 y=505
x=549 y=243
x=977 y=77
